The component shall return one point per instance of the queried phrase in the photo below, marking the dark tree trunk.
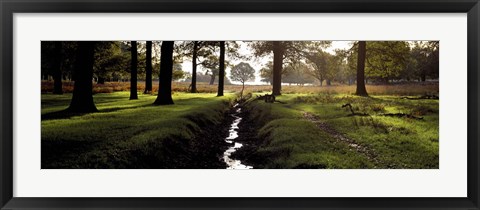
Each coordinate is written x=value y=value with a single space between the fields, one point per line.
x=194 y=67
x=148 y=68
x=133 y=71
x=101 y=80
x=166 y=69
x=277 y=67
x=221 y=72
x=57 y=71
x=82 y=99
x=329 y=82
x=241 y=92
x=361 y=90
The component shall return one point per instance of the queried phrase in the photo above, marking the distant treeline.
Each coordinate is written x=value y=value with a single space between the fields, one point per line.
x=385 y=62
x=293 y=62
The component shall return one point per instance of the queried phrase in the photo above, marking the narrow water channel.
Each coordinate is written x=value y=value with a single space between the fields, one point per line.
x=233 y=134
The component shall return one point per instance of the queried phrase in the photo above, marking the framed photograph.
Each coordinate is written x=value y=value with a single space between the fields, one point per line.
x=239 y=105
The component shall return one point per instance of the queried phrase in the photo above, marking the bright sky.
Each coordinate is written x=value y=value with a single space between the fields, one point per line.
x=258 y=63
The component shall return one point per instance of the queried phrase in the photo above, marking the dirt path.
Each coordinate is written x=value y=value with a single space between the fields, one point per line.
x=340 y=137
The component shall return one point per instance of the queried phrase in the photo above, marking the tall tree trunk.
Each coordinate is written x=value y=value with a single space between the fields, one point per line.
x=221 y=72
x=57 y=71
x=133 y=71
x=166 y=70
x=277 y=67
x=82 y=99
x=362 y=48
x=194 y=67
x=241 y=92
x=148 y=68
x=101 y=80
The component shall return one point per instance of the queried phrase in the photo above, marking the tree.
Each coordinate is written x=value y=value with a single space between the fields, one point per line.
x=278 y=50
x=177 y=73
x=211 y=64
x=361 y=90
x=221 y=74
x=82 y=99
x=194 y=67
x=197 y=50
x=108 y=58
x=297 y=73
x=386 y=60
x=348 y=65
x=133 y=71
x=423 y=60
x=266 y=73
x=52 y=63
x=262 y=48
x=319 y=61
x=284 y=52
x=57 y=69
x=206 y=55
x=242 y=72
x=148 y=68
x=166 y=70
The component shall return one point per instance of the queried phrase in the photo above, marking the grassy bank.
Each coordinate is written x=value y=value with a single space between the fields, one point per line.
x=314 y=131
x=134 y=133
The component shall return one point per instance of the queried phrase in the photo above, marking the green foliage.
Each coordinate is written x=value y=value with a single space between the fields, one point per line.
x=319 y=61
x=67 y=58
x=242 y=72
x=386 y=59
x=293 y=51
x=297 y=73
x=400 y=60
x=266 y=73
x=423 y=62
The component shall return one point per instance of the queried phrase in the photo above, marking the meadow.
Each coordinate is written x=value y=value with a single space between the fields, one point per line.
x=310 y=127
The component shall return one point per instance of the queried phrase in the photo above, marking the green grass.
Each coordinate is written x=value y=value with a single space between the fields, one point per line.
x=289 y=140
x=136 y=134
x=127 y=133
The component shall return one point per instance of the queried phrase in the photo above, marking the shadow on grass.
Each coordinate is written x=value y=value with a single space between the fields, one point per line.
x=64 y=114
x=55 y=154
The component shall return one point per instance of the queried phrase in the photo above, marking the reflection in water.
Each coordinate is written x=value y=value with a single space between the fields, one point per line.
x=233 y=134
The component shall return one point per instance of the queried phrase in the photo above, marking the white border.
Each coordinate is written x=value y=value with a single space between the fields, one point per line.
x=448 y=181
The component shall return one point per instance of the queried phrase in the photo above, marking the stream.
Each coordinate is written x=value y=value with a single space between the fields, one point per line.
x=233 y=134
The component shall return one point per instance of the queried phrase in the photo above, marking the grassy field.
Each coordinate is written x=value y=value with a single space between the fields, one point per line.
x=393 y=128
x=393 y=89
x=132 y=133
x=314 y=131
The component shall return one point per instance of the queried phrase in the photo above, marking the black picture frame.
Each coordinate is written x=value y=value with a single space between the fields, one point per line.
x=9 y=7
